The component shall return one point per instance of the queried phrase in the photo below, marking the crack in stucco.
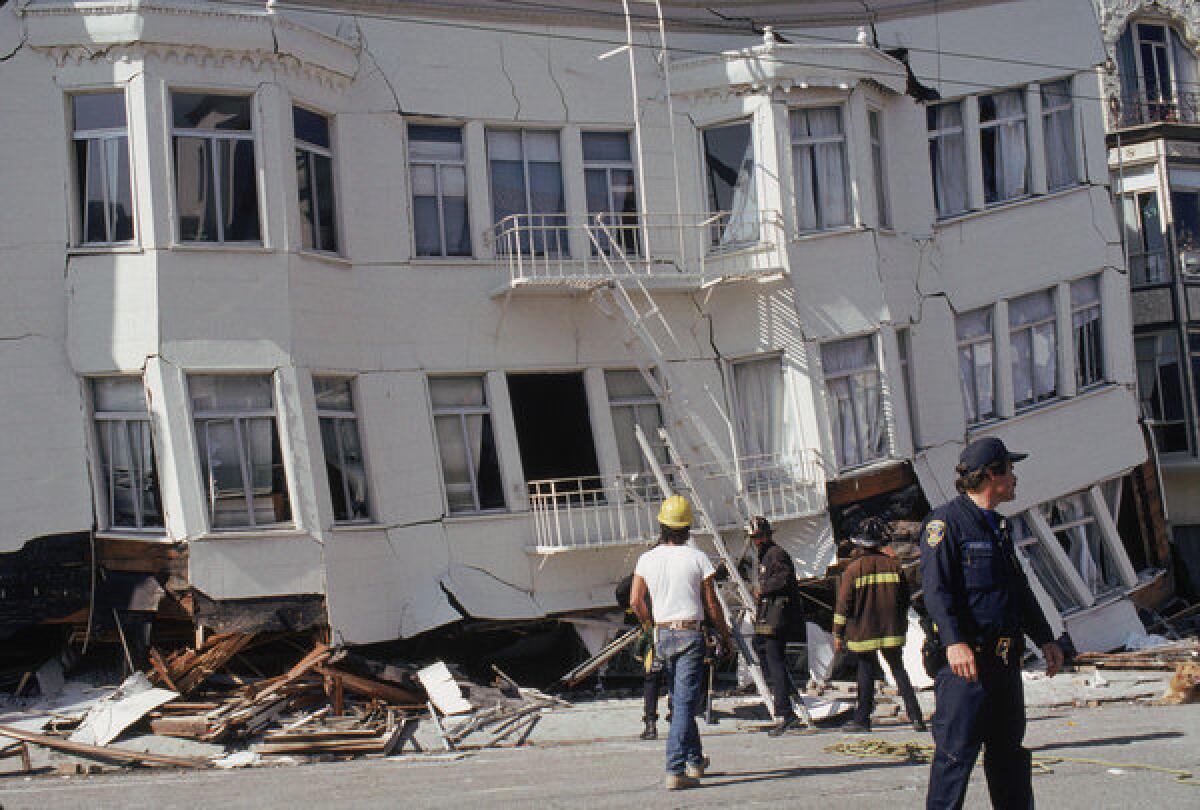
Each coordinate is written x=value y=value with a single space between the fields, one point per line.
x=550 y=72
x=511 y=84
x=365 y=50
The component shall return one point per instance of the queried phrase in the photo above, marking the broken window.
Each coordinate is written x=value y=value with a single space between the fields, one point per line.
x=240 y=453
x=1058 y=128
x=855 y=399
x=1082 y=539
x=314 y=180
x=462 y=420
x=904 y=344
x=947 y=157
x=216 y=180
x=611 y=191
x=632 y=403
x=819 y=163
x=104 y=191
x=1144 y=239
x=883 y=207
x=1033 y=336
x=1004 y=146
x=1045 y=565
x=128 y=471
x=527 y=185
x=1160 y=389
x=438 y=165
x=729 y=175
x=554 y=431
x=976 y=365
x=1088 y=330
x=340 y=440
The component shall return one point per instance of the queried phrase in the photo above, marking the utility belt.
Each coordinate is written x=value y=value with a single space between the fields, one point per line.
x=1005 y=648
x=680 y=624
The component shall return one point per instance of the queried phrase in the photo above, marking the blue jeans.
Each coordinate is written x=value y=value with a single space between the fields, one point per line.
x=682 y=654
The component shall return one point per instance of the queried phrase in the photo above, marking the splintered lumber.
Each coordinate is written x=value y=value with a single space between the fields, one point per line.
x=96 y=752
x=371 y=688
x=185 y=670
x=599 y=659
x=191 y=727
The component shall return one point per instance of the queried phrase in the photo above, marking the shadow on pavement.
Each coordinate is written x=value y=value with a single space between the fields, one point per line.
x=1125 y=739
x=745 y=777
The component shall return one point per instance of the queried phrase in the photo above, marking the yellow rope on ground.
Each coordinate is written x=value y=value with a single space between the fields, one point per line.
x=913 y=751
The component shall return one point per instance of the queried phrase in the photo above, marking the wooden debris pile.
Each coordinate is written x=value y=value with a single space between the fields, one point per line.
x=1163 y=658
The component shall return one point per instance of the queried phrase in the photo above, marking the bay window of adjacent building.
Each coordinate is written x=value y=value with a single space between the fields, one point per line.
x=314 y=181
x=1160 y=389
x=216 y=179
x=241 y=457
x=1145 y=240
x=820 y=169
x=611 y=192
x=1088 y=332
x=1045 y=565
x=462 y=421
x=730 y=184
x=1058 y=128
x=976 y=364
x=1004 y=146
x=632 y=404
x=1034 y=339
x=947 y=157
x=1082 y=538
x=438 y=176
x=1159 y=75
x=344 y=463
x=129 y=480
x=854 y=394
x=527 y=185
x=883 y=208
x=103 y=187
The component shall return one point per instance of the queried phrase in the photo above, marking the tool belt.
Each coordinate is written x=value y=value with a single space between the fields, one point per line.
x=680 y=624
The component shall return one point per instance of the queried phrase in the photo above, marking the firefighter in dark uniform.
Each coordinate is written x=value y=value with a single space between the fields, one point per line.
x=982 y=608
x=778 y=619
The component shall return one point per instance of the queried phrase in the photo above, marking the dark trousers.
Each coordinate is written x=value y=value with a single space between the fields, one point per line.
x=653 y=685
x=989 y=713
x=867 y=668
x=769 y=650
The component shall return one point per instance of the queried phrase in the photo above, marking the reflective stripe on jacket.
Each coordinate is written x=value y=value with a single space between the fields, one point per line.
x=872 y=604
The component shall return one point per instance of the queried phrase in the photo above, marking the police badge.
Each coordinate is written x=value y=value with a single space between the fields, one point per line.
x=935 y=532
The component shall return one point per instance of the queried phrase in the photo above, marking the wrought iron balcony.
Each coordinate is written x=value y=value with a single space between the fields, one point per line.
x=1132 y=111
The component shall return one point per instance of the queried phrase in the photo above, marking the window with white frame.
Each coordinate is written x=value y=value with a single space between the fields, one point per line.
x=103 y=187
x=1081 y=537
x=1033 y=335
x=854 y=393
x=904 y=344
x=947 y=157
x=759 y=412
x=344 y=464
x=883 y=206
x=1004 y=146
x=216 y=179
x=438 y=166
x=611 y=191
x=462 y=421
x=1045 y=565
x=976 y=363
x=1145 y=239
x=128 y=470
x=527 y=185
x=819 y=168
x=314 y=180
x=241 y=457
x=729 y=169
x=632 y=404
x=1058 y=128
x=1088 y=330
x=1160 y=389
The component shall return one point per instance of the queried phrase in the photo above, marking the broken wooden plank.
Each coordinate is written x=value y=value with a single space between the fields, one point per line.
x=371 y=688
x=96 y=752
x=160 y=667
x=189 y=727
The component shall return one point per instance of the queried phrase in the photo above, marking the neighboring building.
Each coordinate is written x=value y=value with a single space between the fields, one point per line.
x=1152 y=90
x=303 y=302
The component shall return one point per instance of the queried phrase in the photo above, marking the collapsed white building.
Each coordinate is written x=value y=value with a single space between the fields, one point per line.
x=302 y=297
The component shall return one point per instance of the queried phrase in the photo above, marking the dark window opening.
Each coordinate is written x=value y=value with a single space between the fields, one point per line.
x=554 y=431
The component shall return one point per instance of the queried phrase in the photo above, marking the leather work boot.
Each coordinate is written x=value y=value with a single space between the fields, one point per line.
x=697 y=769
x=681 y=781
x=650 y=732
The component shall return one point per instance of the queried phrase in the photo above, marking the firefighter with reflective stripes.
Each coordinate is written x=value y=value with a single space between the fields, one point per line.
x=872 y=617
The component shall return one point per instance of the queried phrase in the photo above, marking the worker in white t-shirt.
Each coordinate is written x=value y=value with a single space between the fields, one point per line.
x=679 y=580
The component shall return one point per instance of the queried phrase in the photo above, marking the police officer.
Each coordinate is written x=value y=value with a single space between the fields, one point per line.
x=777 y=619
x=979 y=600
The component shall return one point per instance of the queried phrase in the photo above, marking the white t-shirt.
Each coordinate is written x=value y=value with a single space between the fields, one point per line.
x=674 y=576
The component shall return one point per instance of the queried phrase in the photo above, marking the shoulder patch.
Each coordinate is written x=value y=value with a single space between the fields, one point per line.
x=935 y=532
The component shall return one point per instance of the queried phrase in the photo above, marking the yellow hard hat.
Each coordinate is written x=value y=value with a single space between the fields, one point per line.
x=676 y=512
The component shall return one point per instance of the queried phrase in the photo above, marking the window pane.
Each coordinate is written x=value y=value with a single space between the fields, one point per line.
x=426 y=226
x=541 y=146
x=1185 y=208
x=115 y=455
x=240 y=192
x=304 y=187
x=219 y=450
x=210 y=111
x=625 y=385
x=230 y=392
x=1085 y=291
x=434 y=143
x=120 y=191
x=974 y=324
x=118 y=395
x=266 y=472
x=354 y=469
x=455 y=469
x=456 y=391
x=98 y=110
x=310 y=127
x=1030 y=308
x=334 y=469
x=147 y=481
x=458 y=225
x=546 y=188
x=194 y=190
x=729 y=165
x=327 y=226
x=334 y=394
x=92 y=198
x=596 y=185
x=609 y=147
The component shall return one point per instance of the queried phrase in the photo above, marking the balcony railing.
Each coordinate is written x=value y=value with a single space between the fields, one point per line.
x=1127 y=111
x=579 y=513
x=689 y=249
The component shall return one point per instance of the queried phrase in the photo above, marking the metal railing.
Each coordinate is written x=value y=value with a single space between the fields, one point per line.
x=1127 y=111
x=586 y=512
x=559 y=248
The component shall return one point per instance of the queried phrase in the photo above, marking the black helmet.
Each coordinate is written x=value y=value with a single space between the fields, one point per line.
x=759 y=526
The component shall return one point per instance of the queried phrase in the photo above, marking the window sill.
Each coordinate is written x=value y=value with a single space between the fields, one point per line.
x=983 y=428
x=871 y=467
x=809 y=236
x=144 y=537
x=350 y=528
x=1007 y=205
x=252 y=534
x=335 y=259
x=219 y=247
x=476 y=517
x=104 y=250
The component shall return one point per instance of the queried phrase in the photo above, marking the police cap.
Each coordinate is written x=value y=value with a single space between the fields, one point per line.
x=982 y=452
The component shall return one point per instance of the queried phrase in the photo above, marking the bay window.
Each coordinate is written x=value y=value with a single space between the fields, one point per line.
x=1034 y=339
x=103 y=188
x=820 y=169
x=128 y=470
x=314 y=181
x=883 y=208
x=340 y=440
x=729 y=178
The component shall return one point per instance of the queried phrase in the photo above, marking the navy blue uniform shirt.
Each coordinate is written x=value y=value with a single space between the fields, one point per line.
x=975 y=589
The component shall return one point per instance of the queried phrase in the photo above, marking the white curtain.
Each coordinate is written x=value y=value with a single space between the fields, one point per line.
x=820 y=168
x=1070 y=509
x=1059 y=135
x=1013 y=146
x=976 y=372
x=1034 y=349
x=855 y=395
x=758 y=385
x=949 y=159
x=743 y=218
